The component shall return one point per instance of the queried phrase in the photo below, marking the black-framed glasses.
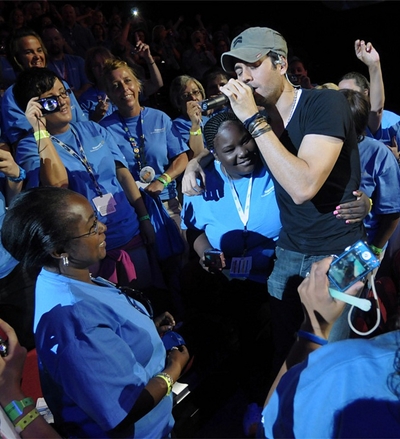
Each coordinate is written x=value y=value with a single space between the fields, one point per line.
x=191 y=94
x=64 y=94
x=93 y=230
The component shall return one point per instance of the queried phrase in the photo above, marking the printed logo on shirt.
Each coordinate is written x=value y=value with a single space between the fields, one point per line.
x=268 y=191
x=158 y=130
x=97 y=147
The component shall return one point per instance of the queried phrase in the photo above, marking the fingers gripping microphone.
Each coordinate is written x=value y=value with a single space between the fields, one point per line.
x=212 y=103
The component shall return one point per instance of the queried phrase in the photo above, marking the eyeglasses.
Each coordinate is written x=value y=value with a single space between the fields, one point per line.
x=191 y=94
x=64 y=94
x=94 y=230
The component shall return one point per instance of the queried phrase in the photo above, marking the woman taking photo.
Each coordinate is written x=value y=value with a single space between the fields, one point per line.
x=84 y=157
x=104 y=369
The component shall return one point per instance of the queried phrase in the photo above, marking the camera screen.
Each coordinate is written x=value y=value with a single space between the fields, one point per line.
x=353 y=266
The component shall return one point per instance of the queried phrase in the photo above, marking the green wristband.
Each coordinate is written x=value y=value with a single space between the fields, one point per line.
x=164 y=182
x=16 y=408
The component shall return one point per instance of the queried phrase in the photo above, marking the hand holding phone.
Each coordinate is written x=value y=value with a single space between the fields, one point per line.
x=214 y=260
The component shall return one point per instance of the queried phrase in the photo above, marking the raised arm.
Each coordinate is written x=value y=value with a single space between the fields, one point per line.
x=366 y=53
x=52 y=169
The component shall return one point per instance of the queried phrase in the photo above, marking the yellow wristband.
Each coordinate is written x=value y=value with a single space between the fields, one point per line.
x=168 y=179
x=195 y=133
x=167 y=378
x=42 y=134
x=370 y=205
x=26 y=420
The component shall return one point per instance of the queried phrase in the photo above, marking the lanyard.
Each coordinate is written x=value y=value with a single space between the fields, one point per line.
x=243 y=213
x=63 y=72
x=138 y=150
x=82 y=158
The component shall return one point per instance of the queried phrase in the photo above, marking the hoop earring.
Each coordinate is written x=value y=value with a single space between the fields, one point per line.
x=65 y=260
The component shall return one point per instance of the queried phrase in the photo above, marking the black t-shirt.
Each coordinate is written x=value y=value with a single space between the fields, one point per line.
x=311 y=228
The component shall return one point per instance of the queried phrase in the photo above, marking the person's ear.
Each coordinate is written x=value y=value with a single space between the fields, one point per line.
x=63 y=256
x=282 y=63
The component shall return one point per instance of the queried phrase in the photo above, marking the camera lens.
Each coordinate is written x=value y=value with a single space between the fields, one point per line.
x=50 y=104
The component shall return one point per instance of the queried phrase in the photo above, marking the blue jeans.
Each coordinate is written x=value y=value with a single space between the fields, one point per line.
x=287 y=315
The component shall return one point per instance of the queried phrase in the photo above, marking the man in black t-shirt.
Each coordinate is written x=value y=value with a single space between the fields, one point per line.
x=309 y=145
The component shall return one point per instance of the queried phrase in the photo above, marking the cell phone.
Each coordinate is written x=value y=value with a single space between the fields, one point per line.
x=3 y=344
x=214 y=260
x=351 y=266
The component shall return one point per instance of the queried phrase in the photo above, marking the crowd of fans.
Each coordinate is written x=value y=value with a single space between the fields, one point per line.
x=102 y=135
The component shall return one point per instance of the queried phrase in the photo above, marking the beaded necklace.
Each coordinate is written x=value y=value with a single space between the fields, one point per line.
x=138 y=150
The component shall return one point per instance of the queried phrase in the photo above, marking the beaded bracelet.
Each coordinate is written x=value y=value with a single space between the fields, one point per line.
x=15 y=408
x=312 y=337
x=144 y=217
x=26 y=420
x=167 y=378
x=41 y=134
x=164 y=182
x=21 y=176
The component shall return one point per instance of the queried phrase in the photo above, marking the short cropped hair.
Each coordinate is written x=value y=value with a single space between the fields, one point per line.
x=31 y=83
x=177 y=88
x=36 y=224
x=215 y=123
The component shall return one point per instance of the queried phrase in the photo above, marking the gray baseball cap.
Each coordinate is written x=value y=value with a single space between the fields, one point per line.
x=251 y=45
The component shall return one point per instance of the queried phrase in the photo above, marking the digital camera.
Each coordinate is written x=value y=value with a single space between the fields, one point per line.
x=351 y=266
x=49 y=104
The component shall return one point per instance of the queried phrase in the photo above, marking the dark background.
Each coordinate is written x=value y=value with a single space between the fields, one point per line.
x=323 y=33
x=320 y=32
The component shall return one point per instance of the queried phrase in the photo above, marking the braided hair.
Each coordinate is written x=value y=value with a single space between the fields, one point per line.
x=213 y=125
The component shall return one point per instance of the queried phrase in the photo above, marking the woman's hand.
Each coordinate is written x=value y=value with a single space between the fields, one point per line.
x=34 y=114
x=354 y=211
x=192 y=172
x=100 y=110
x=179 y=357
x=194 y=113
x=154 y=188
x=147 y=232
x=321 y=310
x=7 y=163
x=164 y=322
x=11 y=367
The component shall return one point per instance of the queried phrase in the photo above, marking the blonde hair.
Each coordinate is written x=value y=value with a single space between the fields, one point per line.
x=329 y=85
x=113 y=64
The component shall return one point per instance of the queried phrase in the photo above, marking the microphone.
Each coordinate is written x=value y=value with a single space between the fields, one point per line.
x=211 y=103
